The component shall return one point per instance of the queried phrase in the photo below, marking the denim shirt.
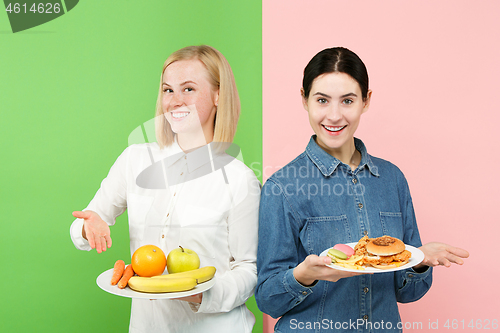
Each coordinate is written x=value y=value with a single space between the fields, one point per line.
x=313 y=203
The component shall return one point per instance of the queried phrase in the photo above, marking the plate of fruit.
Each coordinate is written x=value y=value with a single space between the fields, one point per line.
x=145 y=278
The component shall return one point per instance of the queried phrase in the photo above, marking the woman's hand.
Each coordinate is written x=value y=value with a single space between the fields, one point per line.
x=313 y=268
x=95 y=230
x=441 y=254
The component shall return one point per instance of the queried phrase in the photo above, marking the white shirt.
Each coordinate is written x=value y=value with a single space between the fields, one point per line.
x=202 y=206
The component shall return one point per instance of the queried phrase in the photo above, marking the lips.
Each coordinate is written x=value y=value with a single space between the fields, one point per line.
x=178 y=115
x=334 y=129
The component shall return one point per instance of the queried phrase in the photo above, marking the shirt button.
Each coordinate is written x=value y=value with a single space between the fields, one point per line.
x=410 y=275
x=354 y=180
x=304 y=293
x=360 y=205
x=366 y=289
x=162 y=236
x=365 y=317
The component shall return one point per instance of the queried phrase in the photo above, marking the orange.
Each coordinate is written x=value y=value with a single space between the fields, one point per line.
x=149 y=260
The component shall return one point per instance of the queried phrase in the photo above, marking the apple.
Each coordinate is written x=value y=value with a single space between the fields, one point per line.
x=181 y=260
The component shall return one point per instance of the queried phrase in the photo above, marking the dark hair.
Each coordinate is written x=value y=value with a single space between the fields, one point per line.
x=335 y=60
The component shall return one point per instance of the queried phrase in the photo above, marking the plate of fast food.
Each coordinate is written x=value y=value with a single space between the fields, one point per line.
x=374 y=255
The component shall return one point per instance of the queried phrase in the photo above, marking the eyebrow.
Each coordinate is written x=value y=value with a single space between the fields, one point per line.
x=183 y=83
x=328 y=96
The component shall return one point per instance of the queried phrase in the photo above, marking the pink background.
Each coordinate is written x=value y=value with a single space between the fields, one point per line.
x=434 y=70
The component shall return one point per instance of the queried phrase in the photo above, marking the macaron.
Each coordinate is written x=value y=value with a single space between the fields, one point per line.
x=336 y=254
x=349 y=251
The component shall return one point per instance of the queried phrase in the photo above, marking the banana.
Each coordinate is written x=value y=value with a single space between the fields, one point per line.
x=201 y=274
x=150 y=285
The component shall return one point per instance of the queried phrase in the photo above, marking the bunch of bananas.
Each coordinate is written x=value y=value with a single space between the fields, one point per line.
x=172 y=282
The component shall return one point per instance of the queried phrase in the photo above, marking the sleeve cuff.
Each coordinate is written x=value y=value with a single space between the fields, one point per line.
x=420 y=271
x=194 y=306
x=411 y=275
x=76 y=236
x=205 y=303
x=295 y=288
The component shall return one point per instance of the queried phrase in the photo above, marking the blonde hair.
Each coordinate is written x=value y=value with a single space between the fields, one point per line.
x=221 y=77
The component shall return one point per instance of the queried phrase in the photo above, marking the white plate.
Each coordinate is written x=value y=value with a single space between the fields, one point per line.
x=104 y=282
x=416 y=258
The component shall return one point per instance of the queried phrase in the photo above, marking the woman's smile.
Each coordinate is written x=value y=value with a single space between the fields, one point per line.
x=179 y=115
x=333 y=130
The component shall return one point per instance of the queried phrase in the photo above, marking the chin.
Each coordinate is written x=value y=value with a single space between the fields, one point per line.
x=328 y=143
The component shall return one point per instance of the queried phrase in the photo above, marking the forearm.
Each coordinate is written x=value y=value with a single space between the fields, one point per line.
x=232 y=289
x=279 y=293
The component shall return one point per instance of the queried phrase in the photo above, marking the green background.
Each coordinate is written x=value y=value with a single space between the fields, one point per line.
x=71 y=92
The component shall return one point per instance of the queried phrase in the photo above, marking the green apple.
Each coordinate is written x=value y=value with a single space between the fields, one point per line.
x=181 y=260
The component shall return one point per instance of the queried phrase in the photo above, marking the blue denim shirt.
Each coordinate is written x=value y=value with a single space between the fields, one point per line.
x=313 y=203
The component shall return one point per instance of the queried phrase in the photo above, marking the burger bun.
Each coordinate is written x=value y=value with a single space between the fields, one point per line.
x=385 y=246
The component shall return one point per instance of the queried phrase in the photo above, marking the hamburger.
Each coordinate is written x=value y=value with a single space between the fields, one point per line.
x=386 y=252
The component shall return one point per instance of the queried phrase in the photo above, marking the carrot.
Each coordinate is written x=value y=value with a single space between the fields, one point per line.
x=117 y=271
x=129 y=272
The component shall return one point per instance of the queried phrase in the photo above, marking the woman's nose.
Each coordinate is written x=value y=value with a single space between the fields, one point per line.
x=335 y=113
x=176 y=100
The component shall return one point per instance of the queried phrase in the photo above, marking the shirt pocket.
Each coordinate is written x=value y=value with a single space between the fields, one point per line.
x=324 y=232
x=138 y=207
x=392 y=224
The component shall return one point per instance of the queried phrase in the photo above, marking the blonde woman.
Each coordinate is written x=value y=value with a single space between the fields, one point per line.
x=185 y=191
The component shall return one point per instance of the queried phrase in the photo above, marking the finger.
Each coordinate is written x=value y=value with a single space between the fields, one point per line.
x=108 y=240
x=454 y=259
x=313 y=260
x=457 y=251
x=90 y=238
x=103 y=243
x=443 y=261
x=98 y=245
x=325 y=260
x=81 y=215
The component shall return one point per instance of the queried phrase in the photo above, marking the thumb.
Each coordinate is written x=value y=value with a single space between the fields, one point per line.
x=81 y=215
x=327 y=260
x=320 y=261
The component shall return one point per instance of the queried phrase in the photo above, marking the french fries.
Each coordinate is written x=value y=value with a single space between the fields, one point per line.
x=354 y=262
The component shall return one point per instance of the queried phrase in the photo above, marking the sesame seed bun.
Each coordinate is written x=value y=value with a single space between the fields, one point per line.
x=385 y=246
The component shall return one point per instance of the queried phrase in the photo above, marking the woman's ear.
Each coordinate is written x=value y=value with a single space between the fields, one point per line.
x=216 y=98
x=304 y=99
x=367 y=101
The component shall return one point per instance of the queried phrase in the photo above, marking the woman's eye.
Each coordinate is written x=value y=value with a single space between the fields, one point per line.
x=167 y=90
x=188 y=89
x=347 y=101
x=322 y=100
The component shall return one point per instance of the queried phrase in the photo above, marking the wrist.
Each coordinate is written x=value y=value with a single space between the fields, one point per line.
x=84 y=234
x=420 y=268
x=301 y=276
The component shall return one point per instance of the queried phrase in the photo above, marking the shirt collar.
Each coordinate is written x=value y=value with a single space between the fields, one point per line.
x=194 y=159
x=327 y=164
